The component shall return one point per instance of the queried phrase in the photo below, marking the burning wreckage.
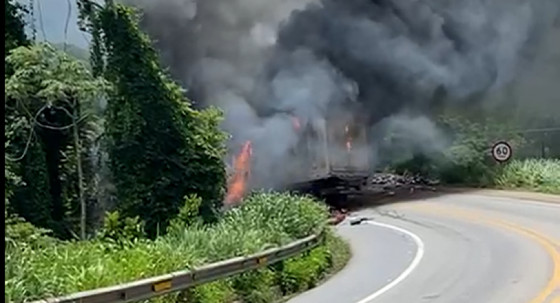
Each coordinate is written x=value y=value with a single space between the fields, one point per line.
x=332 y=162
x=330 y=157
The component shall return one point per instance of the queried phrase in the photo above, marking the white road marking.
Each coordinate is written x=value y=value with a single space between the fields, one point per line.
x=409 y=269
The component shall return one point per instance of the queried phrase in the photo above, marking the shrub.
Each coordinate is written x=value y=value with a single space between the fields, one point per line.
x=257 y=286
x=121 y=231
x=304 y=272
x=215 y=292
x=298 y=215
x=188 y=214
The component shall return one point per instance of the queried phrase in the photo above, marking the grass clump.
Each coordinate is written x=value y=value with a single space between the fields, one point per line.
x=265 y=220
x=542 y=175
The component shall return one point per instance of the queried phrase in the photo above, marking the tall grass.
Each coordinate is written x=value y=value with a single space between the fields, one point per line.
x=264 y=221
x=541 y=175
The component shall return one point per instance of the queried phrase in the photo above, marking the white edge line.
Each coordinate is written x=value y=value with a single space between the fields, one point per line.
x=409 y=269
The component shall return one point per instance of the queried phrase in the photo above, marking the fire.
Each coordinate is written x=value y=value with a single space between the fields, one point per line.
x=242 y=169
x=348 y=139
x=296 y=123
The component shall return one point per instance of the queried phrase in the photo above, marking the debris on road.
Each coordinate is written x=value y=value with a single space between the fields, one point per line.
x=358 y=221
x=388 y=182
x=400 y=180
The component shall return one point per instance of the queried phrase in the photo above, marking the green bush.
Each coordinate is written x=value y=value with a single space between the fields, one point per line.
x=263 y=221
x=119 y=230
x=215 y=292
x=304 y=272
x=22 y=233
x=257 y=286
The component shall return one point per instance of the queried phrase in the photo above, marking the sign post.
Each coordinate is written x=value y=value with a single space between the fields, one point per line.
x=501 y=151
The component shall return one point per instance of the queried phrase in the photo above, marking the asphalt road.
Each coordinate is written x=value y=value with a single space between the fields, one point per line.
x=457 y=248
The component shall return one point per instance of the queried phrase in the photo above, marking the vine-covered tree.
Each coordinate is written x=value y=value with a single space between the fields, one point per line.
x=50 y=97
x=14 y=36
x=160 y=148
x=14 y=31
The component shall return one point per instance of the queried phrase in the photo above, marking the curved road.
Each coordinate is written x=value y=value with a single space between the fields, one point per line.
x=457 y=248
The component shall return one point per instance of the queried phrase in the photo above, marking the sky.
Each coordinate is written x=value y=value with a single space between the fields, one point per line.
x=50 y=19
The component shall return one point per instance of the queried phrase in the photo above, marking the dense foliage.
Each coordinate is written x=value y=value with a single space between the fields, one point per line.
x=14 y=36
x=161 y=150
x=14 y=31
x=157 y=148
x=264 y=221
x=51 y=127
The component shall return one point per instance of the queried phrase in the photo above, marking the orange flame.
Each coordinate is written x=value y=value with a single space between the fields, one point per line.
x=242 y=169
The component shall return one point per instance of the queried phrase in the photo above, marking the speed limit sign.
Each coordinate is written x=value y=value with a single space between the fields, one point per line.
x=501 y=151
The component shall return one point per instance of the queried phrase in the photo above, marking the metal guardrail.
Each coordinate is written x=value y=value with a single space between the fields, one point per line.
x=180 y=280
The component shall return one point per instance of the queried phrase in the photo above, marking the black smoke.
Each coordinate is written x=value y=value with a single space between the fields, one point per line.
x=262 y=61
x=404 y=53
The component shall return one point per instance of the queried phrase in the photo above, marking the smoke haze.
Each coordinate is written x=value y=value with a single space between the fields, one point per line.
x=264 y=62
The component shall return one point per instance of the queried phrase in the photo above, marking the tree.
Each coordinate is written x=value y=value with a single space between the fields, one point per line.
x=11 y=179
x=51 y=98
x=161 y=149
x=14 y=36
x=14 y=32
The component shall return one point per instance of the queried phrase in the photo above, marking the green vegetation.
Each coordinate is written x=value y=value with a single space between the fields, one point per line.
x=164 y=158
x=126 y=139
x=74 y=51
x=542 y=175
x=112 y=153
x=278 y=282
x=155 y=140
x=51 y=124
x=263 y=221
x=14 y=31
x=467 y=160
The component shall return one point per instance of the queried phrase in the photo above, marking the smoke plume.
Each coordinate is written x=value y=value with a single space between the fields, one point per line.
x=264 y=62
